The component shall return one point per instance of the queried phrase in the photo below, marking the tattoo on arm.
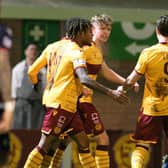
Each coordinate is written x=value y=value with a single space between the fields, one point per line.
x=84 y=79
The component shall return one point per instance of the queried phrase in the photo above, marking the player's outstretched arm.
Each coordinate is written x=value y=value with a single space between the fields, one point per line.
x=131 y=82
x=112 y=76
x=116 y=95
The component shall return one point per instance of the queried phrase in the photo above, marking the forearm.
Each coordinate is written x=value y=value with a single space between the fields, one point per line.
x=114 y=77
x=7 y=117
x=131 y=80
x=85 y=80
x=5 y=74
x=128 y=85
x=111 y=75
x=115 y=94
x=95 y=85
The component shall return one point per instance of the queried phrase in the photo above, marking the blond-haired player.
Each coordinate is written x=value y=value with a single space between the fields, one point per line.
x=94 y=127
x=66 y=70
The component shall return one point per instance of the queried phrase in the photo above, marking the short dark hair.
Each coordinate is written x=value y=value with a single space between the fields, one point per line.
x=32 y=43
x=162 y=25
x=74 y=26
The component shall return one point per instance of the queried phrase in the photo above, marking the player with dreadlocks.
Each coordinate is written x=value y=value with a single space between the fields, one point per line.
x=94 y=127
x=66 y=70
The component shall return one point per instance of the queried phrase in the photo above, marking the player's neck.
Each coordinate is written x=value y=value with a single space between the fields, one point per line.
x=98 y=44
x=162 y=39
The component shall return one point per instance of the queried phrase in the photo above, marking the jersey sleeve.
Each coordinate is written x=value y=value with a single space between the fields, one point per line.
x=141 y=63
x=78 y=59
x=35 y=68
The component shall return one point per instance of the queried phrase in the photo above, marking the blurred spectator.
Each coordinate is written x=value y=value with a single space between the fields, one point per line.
x=6 y=111
x=28 y=112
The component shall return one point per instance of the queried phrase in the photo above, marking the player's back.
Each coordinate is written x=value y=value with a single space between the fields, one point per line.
x=156 y=73
x=156 y=79
x=62 y=85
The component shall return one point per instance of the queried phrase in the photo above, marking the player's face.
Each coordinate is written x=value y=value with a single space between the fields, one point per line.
x=87 y=37
x=101 y=31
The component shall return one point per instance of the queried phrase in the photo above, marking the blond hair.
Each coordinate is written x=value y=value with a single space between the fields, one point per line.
x=101 y=18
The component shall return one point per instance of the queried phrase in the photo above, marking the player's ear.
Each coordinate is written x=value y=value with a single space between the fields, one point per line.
x=157 y=31
x=93 y=29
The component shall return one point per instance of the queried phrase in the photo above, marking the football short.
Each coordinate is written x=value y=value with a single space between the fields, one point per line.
x=4 y=148
x=149 y=128
x=91 y=119
x=58 y=121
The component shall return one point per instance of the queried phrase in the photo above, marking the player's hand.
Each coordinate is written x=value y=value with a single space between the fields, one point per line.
x=86 y=91
x=136 y=87
x=35 y=87
x=120 y=88
x=118 y=96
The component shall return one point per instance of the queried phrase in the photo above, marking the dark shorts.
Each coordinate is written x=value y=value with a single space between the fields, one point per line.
x=91 y=118
x=58 y=121
x=149 y=128
x=4 y=148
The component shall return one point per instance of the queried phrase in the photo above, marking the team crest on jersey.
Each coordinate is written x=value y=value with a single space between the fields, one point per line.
x=57 y=130
x=55 y=112
x=98 y=127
